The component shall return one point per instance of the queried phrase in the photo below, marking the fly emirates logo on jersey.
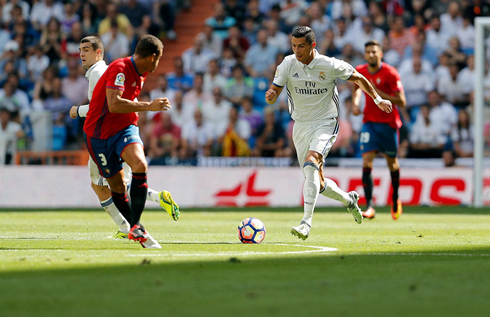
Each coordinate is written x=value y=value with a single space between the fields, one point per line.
x=310 y=89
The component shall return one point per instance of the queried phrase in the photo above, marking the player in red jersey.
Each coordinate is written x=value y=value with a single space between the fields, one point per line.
x=111 y=130
x=380 y=129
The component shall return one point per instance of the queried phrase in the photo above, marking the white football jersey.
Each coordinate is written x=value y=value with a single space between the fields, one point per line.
x=93 y=75
x=312 y=89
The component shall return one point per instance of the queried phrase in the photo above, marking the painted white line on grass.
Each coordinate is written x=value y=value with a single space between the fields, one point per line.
x=423 y=254
x=244 y=253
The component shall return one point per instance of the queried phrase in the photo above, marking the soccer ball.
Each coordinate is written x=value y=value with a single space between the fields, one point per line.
x=251 y=230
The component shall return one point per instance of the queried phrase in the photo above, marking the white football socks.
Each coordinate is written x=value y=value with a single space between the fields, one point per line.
x=310 y=191
x=118 y=218
x=333 y=191
x=153 y=196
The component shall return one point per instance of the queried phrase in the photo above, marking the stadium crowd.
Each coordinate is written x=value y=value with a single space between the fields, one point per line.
x=218 y=84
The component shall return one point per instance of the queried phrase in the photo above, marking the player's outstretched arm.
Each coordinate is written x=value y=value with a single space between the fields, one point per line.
x=365 y=85
x=117 y=104
x=272 y=94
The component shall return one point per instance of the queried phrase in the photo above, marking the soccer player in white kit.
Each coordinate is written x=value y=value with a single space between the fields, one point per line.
x=310 y=80
x=91 y=55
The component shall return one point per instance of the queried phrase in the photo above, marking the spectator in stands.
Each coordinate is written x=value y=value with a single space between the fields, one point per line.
x=250 y=31
x=60 y=132
x=134 y=11
x=197 y=137
x=442 y=70
x=147 y=27
x=261 y=57
x=123 y=23
x=247 y=112
x=220 y=22
x=277 y=38
x=292 y=10
x=181 y=112
x=320 y=22
x=350 y=55
x=10 y=5
x=116 y=43
x=238 y=43
x=164 y=140
x=37 y=62
x=390 y=56
x=43 y=11
x=406 y=65
x=270 y=137
x=451 y=20
x=328 y=46
x=10 y=131
x=212 y=78
x=51 y=40
x=166 y=16
x=341 y=36
x=75 y=86
x=456 y=55
x=466 y=77
x=462 y=135
x=14 y=100
x=197 y=96
x=197 y=57
x=178 y=79
x=211 y=41
x=162 y=90
x=466 y=35
x=358 y=8
x=58 y=103
x=435 y=36
x=427 y=51
x=216 y=111
x=236 y=10
x=70 y=17
x=417 y=86
x=227 y=62
x=400 y=36
x=88 y=18
x=71 y=43
x=239 y=86
x=427 y=140
x=368 y=32
x=442 y=114
x=43 y=89
x=11 y=54
x=253 y=12
x=378 y=15
x=233 y=136
x=419 y=24
x=451 y=88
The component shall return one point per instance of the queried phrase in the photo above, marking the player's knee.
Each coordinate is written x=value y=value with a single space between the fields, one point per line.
x=102 y=192
x=140 y=166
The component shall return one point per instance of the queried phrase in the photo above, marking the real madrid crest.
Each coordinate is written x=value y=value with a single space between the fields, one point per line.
x=322 y=76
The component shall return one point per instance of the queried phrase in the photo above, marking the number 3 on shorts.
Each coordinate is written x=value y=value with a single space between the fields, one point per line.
x=103 y=160
x=365 y=137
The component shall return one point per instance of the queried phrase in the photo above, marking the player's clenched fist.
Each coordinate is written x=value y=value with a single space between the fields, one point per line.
x=73 y=112
x=270 y=95
x=160 y=104
x=385 y=105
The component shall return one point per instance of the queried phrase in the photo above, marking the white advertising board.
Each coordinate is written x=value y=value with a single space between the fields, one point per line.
x=69 y=186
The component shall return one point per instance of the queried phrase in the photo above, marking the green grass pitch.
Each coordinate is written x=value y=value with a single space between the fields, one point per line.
x=430 y=262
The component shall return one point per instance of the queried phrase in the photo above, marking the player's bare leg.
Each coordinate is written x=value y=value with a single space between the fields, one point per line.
x=106 y=201
x=367 y=183
x=394 y=166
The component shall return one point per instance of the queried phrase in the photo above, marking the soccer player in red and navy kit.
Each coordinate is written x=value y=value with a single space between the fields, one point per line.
x=111 y=130
x=380 y=129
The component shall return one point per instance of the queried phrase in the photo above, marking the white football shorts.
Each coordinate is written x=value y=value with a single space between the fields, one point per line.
x=315 y=136
x=101 y=181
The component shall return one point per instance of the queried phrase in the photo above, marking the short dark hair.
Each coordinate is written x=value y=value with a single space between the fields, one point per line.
x=95 y=41
x=148 y=45
x=372 y=43
x=306 y=32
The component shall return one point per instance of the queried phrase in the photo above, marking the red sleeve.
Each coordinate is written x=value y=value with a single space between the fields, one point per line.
x=116 y=76
x=396 y=83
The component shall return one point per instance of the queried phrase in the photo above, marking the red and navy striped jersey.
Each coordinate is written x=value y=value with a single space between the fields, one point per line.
x=387 y=80
x=121 y=75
